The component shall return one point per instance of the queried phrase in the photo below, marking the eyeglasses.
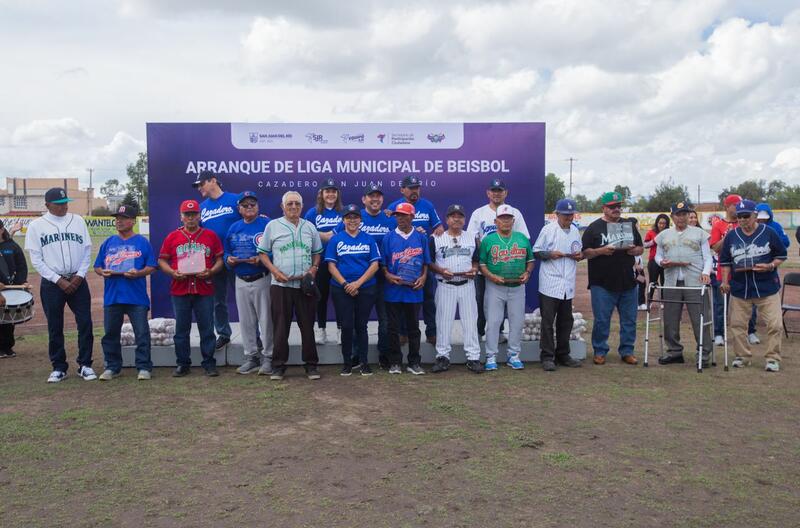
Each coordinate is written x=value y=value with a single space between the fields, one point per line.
x=743 y=215
x=248 y=205
x=292 y=204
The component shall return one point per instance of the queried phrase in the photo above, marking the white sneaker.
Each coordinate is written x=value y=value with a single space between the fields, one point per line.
x=740 y=362
x=772 y=366
x=87 y=374
x=57 y=376
x=108 y=375
x=143 y=375
x=642 y=307
x=319 y=336
x=719 y=341
x=753 y=338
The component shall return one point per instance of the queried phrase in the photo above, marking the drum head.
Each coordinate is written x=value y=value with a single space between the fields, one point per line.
x=16 y=297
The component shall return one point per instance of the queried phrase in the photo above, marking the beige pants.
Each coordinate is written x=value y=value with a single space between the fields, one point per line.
x=769 y=311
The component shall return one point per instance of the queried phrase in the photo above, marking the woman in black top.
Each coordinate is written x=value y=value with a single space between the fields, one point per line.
x=13 y=270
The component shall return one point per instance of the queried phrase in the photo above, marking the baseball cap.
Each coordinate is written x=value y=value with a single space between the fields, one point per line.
x=190 y=206
x=330 y=183
x=351 y=209
x=373 y=188
x=56 y=195
x=128 y=211
x=497 y=183
x=455 y=209
x=763 y=215
x=404 y=208
x=745 y=206
x=566 y=206
x=204 y=176
x=410 y=181
x=732 y=199
x=505 y=210
x=247 y=194
x=680 y=207
x=611 y=198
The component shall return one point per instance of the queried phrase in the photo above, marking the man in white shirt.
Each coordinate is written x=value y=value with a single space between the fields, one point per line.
x=61 y=250
x=481 y=223
x=559 y=248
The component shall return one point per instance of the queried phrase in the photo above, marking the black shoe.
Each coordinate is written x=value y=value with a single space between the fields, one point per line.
x=7 y=354
x=221 y=342
x=355 y=363
x=548 y=365
x=384 y=365
x=346 y=370
x=212 y=372
x=706 y=363
x=442 y=364
x=568 y=362
x=475 y=366
x=666 y=359
x=277 y=373
x=180 y=371
x=366 y=370
x=312 y=373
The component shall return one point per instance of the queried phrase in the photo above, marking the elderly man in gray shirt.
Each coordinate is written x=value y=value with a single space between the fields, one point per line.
x=290 y=249
x=685 y=255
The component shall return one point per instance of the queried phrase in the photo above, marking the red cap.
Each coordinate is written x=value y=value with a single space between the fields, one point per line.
x=190 y=206
x=732 y=199
x=404 y=208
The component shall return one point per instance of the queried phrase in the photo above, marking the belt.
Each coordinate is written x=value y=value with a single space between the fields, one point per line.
x=68 y=276
x=454 y=283
x=254 y=277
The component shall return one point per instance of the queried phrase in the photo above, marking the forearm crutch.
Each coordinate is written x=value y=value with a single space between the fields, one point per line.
x=651 y=295
x=725 y=327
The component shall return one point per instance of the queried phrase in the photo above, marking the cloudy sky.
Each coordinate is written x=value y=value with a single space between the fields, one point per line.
x=701 y=91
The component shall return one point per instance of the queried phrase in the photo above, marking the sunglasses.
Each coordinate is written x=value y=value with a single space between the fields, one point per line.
x=743 y=215
x=248 y=205
x=615 y=206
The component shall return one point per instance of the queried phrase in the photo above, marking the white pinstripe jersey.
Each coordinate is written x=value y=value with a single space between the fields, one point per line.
x=454 y=253
x=557 y=277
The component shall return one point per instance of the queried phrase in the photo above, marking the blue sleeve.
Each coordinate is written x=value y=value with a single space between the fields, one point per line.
x=311 y=216
x=784 y=237
x=339 y=228
x=385 y=251
x=101 y=254
x=778 y=247
x=227 y=250
x=374 y=252
x=149 y=254
x=426 y=253
x=330 y=250
x=435 y=220
x=725 y=254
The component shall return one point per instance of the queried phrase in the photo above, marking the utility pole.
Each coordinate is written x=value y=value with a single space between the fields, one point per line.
x=570 y=160
x=89 y=193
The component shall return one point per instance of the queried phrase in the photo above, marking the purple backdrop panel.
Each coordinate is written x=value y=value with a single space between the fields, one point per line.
x=454 y=162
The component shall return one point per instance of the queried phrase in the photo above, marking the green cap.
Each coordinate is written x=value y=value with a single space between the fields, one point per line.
x=611 y=198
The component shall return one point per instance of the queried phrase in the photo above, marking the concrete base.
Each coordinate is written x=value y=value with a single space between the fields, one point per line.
x=331 y=353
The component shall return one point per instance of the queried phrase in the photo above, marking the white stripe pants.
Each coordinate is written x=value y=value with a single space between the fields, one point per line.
x=253 y=304
x=495 y=302
x=448 y=298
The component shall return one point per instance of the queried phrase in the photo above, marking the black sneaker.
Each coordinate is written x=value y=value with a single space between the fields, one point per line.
x=180 y=371
x=355 y=363
x=366 y=370
x=666 y=359
x=442 y=364
x=415 y=370
x=346 y=370
x=475 y=366
x=221 y=342
x=548 y=365
x=212 y=372
x=7 y=354
x=312 y=373
x=568 y=362
x=384 y=365
x=277 y=373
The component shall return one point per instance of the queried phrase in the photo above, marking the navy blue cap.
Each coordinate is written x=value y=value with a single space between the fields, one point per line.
x=56 y=195
x=203 y=176
x=247 y=194
x=351 y=209
x=330 y=183
x=680 y=207
x=373 y=188
x=410 y=181
x=566 y=206
x=746 y=206
x=455 y=209
x=497 y=183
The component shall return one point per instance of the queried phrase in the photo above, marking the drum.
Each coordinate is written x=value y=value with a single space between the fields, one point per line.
x=18 y=308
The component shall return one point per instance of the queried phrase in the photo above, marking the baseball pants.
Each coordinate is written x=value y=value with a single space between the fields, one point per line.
x=448 y=298
x=770 y=309
x=496 y=300
x=253 y=304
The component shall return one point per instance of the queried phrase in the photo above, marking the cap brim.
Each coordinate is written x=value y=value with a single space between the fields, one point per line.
x=566 y=212
x=497 y=188
x=123 y=215
x=62 y=201
x=612 y=203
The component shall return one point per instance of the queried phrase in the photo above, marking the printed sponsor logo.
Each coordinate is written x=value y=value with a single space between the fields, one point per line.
x=121 y=256
x=436 y=138
x=402 y=138
x=351 y=138
x=313 y=137
x=253 y=137
x=269 y=137
x=381 y=137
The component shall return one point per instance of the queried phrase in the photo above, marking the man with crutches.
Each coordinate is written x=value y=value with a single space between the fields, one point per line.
x=685 y=255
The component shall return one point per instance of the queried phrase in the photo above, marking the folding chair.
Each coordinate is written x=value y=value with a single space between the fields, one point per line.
x=790 y=279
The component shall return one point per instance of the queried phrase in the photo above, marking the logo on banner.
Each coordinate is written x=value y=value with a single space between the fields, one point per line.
x=253 y=137
x=381 y=137
x=402 y=138
x=435 y=138
x=316 y=138
x=350 y=138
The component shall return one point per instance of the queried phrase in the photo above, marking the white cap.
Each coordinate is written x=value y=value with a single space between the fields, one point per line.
x=763 y=215
x=505 y=209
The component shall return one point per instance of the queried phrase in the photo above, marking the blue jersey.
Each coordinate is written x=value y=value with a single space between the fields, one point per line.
x=424 y=216
x=352 y=256
x=740 y=251
x=405 y=257
x=220 y=214
x=325 y=221
x=242 y=242
x=375 y=226
x=121 y=255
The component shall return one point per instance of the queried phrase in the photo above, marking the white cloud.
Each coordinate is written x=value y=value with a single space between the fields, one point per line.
x=788 y=159
x=50 y=132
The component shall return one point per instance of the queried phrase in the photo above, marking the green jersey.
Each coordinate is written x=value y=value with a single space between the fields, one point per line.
x=506 y=256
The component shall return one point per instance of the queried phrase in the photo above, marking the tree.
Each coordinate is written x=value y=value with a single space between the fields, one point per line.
x=624 y=190
x=101 y=211
x=786 y=198
x=553 y=191
x=129 y=199
x=666 y=194
x=586 y=205
x=112 y=187
x=137 y=180
x=756 y=190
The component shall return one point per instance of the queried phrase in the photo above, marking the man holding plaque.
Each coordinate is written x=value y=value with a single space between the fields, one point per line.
x=406 y=259
x=684 y=253
x=191 y=255
x=124 y=260
x=559 y=248
x=610 y=244
x=506 y=260
x=750 y=256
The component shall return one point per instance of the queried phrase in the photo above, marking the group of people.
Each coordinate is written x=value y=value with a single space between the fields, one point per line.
x=396 y=259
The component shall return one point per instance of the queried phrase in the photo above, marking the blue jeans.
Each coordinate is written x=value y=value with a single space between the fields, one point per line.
x=203 y=308
x=353 y=314
x=221 y=321
x=718 y=310
x=112 y=349
x=80 y=302
x=603 y=303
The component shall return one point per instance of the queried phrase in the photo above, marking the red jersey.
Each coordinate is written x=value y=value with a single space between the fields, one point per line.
x=719 y=229
x=180 y=244
x=651 y=236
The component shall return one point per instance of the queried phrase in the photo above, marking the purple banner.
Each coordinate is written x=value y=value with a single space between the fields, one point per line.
x=454 y=162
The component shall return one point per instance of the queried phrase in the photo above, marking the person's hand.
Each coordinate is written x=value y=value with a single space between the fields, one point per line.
x=419 y=283
x=421 y=230
x=439 y=230
x=577 y=256
x=763 y=268
x=16 y=228
x=65 y=285
x=556 y=254
x=105 y=272
x=470 y=274
x=523 y=279
x=394 y=279
x=232 y=261
x=725 y=288
x=447 y=274
x=203 y=275
x=133 y=274
x=27 y=286
x=666 y=263
x=351 y=288
x=76 y=281
x=252 y=260
x=178 y=276
x=497 y=279
x=705 y=279
x=607 y=250
x=312 y=271
x=280 y=276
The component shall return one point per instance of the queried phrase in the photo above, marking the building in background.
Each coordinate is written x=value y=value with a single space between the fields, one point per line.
x=25 y=196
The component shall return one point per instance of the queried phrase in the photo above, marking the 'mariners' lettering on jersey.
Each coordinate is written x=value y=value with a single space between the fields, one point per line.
x=60 y=237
